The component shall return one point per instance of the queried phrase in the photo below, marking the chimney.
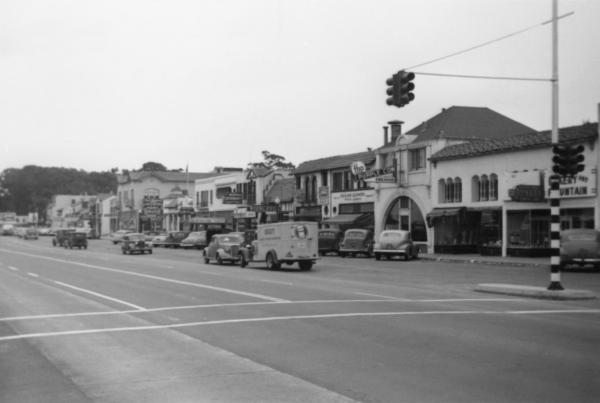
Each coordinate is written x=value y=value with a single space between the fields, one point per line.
x=396 y=130
x=385 y=135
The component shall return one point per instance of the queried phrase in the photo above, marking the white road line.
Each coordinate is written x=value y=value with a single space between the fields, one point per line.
x=13 y=268
x=33 y=274
x=277 y=318
x=278 y=282
x=101 y=296
x=248 y=294
x=382 y=296
x=168 y=267
x=174 y=308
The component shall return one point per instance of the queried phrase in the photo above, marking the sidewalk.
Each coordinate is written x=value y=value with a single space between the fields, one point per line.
x=499 y=260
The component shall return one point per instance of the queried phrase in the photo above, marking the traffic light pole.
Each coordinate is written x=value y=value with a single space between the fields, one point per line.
x=555 y=234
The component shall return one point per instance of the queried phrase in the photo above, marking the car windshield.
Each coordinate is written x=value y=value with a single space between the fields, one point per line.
x=393 y=235
x=136 y=237
x=582 y=237
x=230 y=239
x=355 y=234
x=180 y=234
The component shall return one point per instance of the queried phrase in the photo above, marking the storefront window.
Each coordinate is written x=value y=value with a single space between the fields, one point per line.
x=491 y=229
x=577 y=218
x=519 y=228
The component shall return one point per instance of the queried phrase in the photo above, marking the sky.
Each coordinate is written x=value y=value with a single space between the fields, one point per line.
x=96 y=85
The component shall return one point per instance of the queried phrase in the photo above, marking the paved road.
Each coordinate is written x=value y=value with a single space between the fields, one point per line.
x=95 y=325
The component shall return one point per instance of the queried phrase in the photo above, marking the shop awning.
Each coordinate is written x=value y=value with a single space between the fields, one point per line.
x=342 y=219
x=437 y=213
x=308 y=214
x=490 y=208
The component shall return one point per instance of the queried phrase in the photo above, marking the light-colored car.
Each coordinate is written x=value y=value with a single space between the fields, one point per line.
x=580 y=247
x=159 y=240
x=8 y=229
x=195 y=240
x=134 y=242
x=117 y=237
x=396 y=243
x=89 y=233
x=44 y=231
x=20 y=231
x=174 y=239
x=30 y=233
x=223 y=248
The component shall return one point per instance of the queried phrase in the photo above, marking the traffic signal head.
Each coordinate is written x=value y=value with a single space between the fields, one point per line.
x=567 y=160
x=400 y=87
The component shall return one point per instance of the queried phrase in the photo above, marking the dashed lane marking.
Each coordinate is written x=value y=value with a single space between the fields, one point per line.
x=382 y=296
x=101 y=296
x=278 y=282
x=33 y=274
x=13 y=268
x=279 y=318
x=248 y=294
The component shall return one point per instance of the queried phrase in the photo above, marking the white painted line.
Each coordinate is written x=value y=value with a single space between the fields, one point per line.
x=13 y=268
x=278 y=318
x=174 y=308
x=103 y=258
x=167 y=267
x=101 y=296
x=33 y=274
x=152 y=277
x=278 y=282
x=383 y=296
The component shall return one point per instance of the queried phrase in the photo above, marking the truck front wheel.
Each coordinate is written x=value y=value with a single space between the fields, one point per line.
x=271 y=265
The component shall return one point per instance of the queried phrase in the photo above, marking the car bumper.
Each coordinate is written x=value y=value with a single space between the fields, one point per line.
x=389 y=251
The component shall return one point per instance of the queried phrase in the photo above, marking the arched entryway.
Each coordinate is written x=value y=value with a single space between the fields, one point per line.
x=404 y=213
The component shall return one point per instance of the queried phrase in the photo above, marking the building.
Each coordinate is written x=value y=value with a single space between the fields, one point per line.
x=65 y=210
x=102 y=214
x=491 y=197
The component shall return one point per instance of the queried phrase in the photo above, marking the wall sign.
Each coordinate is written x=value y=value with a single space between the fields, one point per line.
x=527 y=193
x=323 y=195
x=232 y=198
x=581 y=185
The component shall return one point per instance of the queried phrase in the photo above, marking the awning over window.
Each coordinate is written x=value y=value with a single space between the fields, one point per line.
x=437 y=213
x=342 y=219
x=490 y=208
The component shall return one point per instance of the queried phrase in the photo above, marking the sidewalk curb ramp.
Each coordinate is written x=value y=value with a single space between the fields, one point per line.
x=534 y=292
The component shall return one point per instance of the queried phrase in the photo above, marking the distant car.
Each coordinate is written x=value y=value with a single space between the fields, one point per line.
x=8 y=229
x=20 y=231
x=76 y=239
x=580 y=247
x=174 y=239
x=195 y=240
x=330 y=241
x=396 y=243
x=159 y=240
x=60 y=237
x=223 y=247
x=117 y=237
x=89 y=233
x=30 y=233
x=134 y=242
x=150 y=235
x=357 y=242
x=44 y=231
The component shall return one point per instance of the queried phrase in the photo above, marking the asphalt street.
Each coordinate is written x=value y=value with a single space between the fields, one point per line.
x=95 y=325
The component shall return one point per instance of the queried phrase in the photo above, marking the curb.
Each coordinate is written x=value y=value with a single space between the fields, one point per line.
x=534 y=292
x=502 y=263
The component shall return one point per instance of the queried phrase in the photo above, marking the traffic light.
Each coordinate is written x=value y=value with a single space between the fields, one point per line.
x=567 y=160
x=400 y=89
x=406 y=87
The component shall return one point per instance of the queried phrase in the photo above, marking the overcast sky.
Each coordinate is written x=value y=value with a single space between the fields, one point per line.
x=95 y=85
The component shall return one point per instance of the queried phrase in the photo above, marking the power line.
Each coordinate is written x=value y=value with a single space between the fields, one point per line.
x=487 y=43
x=488 y=77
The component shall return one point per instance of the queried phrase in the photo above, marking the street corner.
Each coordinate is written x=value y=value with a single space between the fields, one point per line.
x=534 y=292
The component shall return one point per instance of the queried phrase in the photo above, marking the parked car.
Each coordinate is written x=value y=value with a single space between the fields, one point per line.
x=330 y=240
x=396 y=243
x=195 y=240
x=580 y=247
x=89 y=233
x=44 y=231
x=20 y=231
x=134 y=242
x=76 y=239
x=223 y=247
x=30 y=233
x=357 y=242
x=150 y=235
x=284 y=242
x=174 y=238
x=117 y=237
x=159 y=240
x=8 y=229
x=61 y=236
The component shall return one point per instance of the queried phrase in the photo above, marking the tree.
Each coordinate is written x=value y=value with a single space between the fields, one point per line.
x=154 y=166
x=272 y=161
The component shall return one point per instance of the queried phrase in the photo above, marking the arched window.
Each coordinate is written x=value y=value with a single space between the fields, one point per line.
x=442 y=191
x=484 y=188
x=475 y=188
x=457 y=190
x=307 y=188
x=313 y=190
x=449 y=190
x=493 y=187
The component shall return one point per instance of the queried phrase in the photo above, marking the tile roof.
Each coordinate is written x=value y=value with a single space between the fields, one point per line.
x=259 y=172
x=567 y=135
x=282 y=188
x=467 y=123
x=339 y=161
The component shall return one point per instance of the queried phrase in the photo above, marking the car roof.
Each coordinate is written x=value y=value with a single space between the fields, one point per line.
x=135 y=233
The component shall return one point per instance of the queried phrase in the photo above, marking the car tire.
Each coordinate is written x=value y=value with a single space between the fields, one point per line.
x=219 y=260
x=150 y=251
x=124 y=252
x=243 y=262
x=54 y=242
x=271 y=265
x=206 y=260
x=341 y=254
x=407 y=256
x=305 y=265
x=377 y=256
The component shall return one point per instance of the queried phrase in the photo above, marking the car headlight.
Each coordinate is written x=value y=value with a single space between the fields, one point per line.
x=227 y=249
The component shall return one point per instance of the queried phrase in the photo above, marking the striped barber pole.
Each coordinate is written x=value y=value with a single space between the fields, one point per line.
x=555 y=234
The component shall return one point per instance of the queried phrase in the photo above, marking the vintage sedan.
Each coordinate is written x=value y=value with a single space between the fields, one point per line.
x=396 y=243
x=195 y=240
x=117 y=237
x=60 y=237
x=580 y=247
x=357 y=242
x=330 y=240
x=150 y=235
x=174 y=239
x=159 y=240
x=223 y=247
x=135 y=242
x=30 y=233
x=76 y=239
